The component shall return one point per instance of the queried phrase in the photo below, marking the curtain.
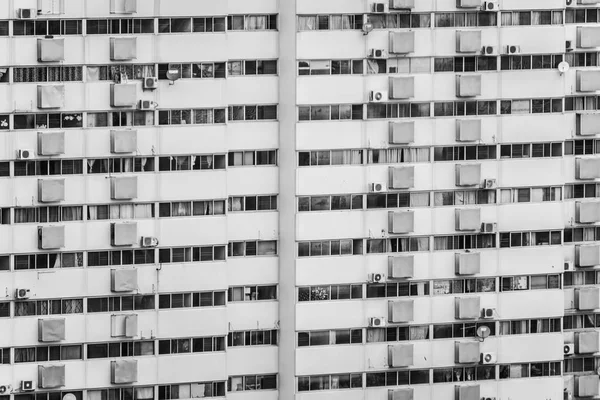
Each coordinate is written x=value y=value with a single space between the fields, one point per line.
x=536 y=18
x=506 y=19
x=505 y=196
x=442 y=243
x=92 y=212
x=422 y=244
x=141 y=392
x=419 y=199
x=375 y=335
x=25 y=355
x=126 y=211
x=256 y=22
x=335 y=22
x=73 y=213
x=307 y=22
x=557 y=17
x=181 y=209
x=419 y=332
x=372 y=66
x=114 y=211
x=143 y=211
x=24 y=215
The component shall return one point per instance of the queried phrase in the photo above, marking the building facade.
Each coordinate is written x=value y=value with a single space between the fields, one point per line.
x=299 y=199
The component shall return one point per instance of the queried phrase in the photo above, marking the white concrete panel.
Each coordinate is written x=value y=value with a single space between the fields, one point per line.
x=246 y=180
x=526 y=304
x=241 y=270
x=521 y=172
x=248 y=225
x=334 y=359
x=192 y=231
x=253 y=315
x=192 y=322
x=519 y=216
x=189 y=367
x=251 y=360
x=530 y=260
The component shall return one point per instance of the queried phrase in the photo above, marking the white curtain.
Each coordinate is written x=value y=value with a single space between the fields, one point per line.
x=256 y=22
x=375 y=335
x=307 y=22
x=92 y=212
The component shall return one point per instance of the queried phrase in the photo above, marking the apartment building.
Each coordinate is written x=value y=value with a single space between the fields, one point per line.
x=299 y=199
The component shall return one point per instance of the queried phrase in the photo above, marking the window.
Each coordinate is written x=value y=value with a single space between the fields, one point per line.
x=72 y=73
x=519 y=239
x=398 y=155
x=48 y=353
x=330 y=337
x=581 y=16
x=120 y=349
x=195 y=117
x=400 y=289
x=191 y=254
x=122 y=393
x=398 y=200
x=515 y=18
x=461 y=374
x=330 y=292
x=201 y=70
x=252 y=157
x=120 y=257
x=44 y=121
x=251 y=382
x=193 y=162
x=252 y=113
x=4 y=309
x=327 y=203
x=530 y=326
x=582 y=146
x=398 y=110
x=48 y=167
x=47 y=27
x=195 y=299
x=466 y=330
x=252 y=293
x=330 y=67
x=330 y=382
x=465 y=64
x=48 y=260
x=394 y=378
x=48 y=214
x=208 y=24
x=330 y=112
x=460 y=108
x=530 y=370
x=330 y=22
x=464 y=197
x=5 y=355
x=534 y=282
x=189 y=208
x=330 y=157
x=252 y=338
x=252 y=22
x=174 y=25
x=581 y=59
x=120 y=211
x=535 y=106
x=191 y=390
x=461 y=19
x=330 y=248
x=525 y=195
x=252 y=67
x=526 y=62
x=398 y=245
x=119 y=26
x=48 y=307
x=400 y=21
x=252 y=203
x=458 y=153
x=580 y=103
x=252 y=248
x=191 y=345
x=471 y=285
x=398 y=333
x=463 y=242
x=120 y=303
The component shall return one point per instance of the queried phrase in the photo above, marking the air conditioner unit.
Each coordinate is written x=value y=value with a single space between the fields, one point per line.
x=150 y=82
x=379 y=8
x=488 y=358
x=489 y=184
x=513 y=49
x=146 y=105
x=376 y=278
x=27 y=13
x=489 y=51
x=377 y=96
x=27 y=386
x=377 y=187
x=149 y=241
x=490 y=6
x=25 y=154
x=488 y=227
x=377 y=53
x=376 y=322
x=569 y=348
x=22 y=293
x=569 y=266
x=488 y=313
x=569 y=45
x=5 y=389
